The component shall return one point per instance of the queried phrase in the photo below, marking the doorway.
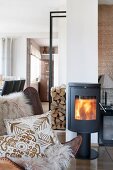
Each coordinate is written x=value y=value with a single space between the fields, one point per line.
x=38 y=66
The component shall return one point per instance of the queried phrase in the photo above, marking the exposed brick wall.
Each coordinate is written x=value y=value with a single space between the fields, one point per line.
x=105 y=38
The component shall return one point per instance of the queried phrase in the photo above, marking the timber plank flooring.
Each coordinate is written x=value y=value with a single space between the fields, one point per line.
x=103 y=162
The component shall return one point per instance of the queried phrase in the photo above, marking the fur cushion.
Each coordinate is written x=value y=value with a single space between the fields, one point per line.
x=57 y=157
x=13 y=106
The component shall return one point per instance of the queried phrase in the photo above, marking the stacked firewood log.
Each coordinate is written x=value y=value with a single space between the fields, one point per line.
x=58 y=107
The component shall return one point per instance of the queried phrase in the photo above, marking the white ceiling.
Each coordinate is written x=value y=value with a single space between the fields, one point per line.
x=30 y=16
x=27 y=15
x=105 y=2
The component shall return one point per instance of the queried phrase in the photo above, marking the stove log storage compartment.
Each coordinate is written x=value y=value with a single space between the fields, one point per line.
x=84 y=115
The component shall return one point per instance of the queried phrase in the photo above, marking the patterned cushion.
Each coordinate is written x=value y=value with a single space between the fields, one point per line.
x=22 y=146
x=40 y=124
x=36 y=122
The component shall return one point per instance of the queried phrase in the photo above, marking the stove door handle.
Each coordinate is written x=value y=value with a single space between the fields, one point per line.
x=102 y=107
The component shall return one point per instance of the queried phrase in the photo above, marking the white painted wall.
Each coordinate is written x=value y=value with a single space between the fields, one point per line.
x=19 y=57
x=56 y=69
x=62 y=60
x=82 y=44
x=0 y=56
x=35 y=44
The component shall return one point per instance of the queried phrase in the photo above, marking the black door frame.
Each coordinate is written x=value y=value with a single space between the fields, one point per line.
x=53 y=14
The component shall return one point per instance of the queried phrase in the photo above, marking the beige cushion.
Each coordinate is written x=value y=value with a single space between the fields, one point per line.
x=22 y=146
x=35 y=122
x=40 y=124
x=13 y=106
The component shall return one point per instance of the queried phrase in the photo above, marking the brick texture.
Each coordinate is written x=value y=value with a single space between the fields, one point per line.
x=105 y=39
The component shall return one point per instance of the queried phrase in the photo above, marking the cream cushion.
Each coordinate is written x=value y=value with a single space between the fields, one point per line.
x=40 y=124
x=22 y=146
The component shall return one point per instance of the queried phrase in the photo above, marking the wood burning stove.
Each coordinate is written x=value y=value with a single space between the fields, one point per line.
x=84 y=114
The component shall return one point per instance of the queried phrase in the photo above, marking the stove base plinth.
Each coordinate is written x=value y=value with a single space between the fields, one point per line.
x=93 y=155
x=85 y=151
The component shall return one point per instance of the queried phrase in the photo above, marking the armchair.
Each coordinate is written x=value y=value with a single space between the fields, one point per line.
x=34 y=100
x=74 y=144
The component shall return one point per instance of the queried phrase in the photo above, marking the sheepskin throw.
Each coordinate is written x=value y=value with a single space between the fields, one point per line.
x=56 y=157
x=13 y=106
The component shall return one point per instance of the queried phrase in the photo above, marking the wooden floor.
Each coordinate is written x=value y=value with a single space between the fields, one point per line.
x=104 y=161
